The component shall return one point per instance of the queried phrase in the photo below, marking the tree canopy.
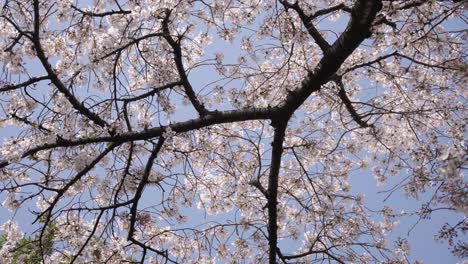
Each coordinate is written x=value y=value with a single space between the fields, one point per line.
x=198 y=131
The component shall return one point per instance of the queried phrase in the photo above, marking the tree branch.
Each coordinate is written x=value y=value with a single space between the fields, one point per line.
x=138 y=194
x=202 y=111
x=308 y=24
x=32 y=80
x=331 y=10
x=358 y=29
x=103 y=14
x=152 y=92
x=49 y=211
x=349 y=106
x=218 y=117
x=53 y=76
x=272 y=191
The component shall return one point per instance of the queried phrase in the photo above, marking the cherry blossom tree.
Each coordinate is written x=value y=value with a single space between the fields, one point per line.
x=198 y=131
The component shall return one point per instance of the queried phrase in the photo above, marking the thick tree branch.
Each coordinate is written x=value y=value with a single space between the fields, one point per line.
x=103 y=14
x=272 y=191
x=358 y=29
x=219 y=117
x=53 y=76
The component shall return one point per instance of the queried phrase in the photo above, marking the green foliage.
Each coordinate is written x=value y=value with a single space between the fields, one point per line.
x=28 y=250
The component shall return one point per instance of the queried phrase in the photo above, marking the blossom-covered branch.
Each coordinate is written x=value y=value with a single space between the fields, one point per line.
x=230 y=131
